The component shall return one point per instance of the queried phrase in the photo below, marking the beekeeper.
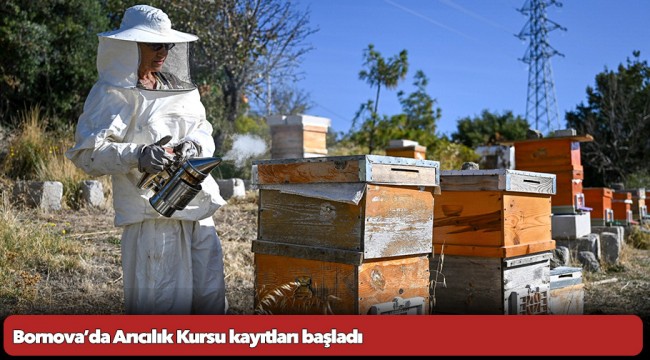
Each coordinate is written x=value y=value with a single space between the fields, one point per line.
x=145 y=94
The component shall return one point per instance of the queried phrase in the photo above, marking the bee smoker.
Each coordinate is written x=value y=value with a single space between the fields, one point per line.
x=178 y=184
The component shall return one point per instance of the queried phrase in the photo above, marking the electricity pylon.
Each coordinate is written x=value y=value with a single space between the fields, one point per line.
x=541 y=105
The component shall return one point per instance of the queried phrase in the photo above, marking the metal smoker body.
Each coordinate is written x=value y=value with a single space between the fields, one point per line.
x=178 y=184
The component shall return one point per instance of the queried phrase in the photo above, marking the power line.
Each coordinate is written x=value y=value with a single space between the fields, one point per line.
x=541 y=103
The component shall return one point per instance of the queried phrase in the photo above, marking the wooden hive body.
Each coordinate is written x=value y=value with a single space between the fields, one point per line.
x=622 y=206
x=555 y=155
x=567 y=291
x=292 y=285
x=491 y=286
x=413 y=152
x=343 y=226
x=493 y=213
x=298 y=136
x=600 y=200
x=638 y=207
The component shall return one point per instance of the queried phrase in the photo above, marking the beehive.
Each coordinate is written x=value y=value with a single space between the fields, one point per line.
x=298 y=136
x=406 y=148
x=638 y=207
x=351 y=233
x=599 y=199
x=491 y=286
x=622 y=206
x=556 y=155
x=567 y=295
x=496 y=156
x=493 y=213
x=287 y=284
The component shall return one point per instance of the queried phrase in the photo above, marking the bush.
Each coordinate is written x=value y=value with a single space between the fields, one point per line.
x=28 y=147
x=38 y=155
x=639 y=237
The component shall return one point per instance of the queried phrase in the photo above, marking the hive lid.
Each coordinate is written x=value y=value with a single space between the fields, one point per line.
x=376 y=169
x=577 y=138
x=498 y=179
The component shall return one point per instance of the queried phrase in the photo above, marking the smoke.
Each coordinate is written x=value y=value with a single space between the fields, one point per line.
x=245 y=147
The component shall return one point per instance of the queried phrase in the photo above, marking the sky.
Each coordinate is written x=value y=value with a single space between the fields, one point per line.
x=468 y=49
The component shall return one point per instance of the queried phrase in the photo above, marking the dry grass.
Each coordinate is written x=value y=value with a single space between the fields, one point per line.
x=623 y=288
x=48 y=268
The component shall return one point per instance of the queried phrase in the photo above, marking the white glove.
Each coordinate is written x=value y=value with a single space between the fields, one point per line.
x=187 y=149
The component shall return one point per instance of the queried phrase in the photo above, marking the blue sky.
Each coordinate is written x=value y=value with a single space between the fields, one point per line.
x=466 y=48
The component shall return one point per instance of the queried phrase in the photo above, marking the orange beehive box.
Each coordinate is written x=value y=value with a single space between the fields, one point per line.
x=291 y=285
x=569 y=185
x=600 y=200
x=556 y=155
x=553 y=152
x=493 y=213
x=622 y=206
x=345 y=234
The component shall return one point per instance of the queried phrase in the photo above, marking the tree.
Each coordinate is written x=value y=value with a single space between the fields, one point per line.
x=490 y=129
x=451 y=155
x=380 y=72
x=289 y=101
x=418 y=123
x=243 y=42
x=418 y=120
x=45 y=56
x=617 y=115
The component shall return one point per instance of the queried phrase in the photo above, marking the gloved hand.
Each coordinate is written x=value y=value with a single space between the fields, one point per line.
x=187 y=149
x=154 y=158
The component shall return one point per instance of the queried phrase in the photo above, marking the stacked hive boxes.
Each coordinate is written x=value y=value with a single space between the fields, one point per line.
x=344 y=235
x=298 y=136
x=639 y=208
x=560 y=155
x=600 y=201
x=492 y=242
x=622 y=206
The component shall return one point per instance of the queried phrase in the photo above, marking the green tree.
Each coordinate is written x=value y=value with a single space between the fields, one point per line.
x=46 y=56
x=242 y=44
x=418 y=119
x=490 y=129
x=617 y=115
x=239 y=42
x=451 y=155
x=380 y=72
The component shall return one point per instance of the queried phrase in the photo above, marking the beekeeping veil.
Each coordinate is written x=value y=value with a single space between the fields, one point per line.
x=118 y=56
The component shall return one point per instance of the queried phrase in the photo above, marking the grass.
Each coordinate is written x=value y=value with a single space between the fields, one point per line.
x=30 y=253
x=38 y=155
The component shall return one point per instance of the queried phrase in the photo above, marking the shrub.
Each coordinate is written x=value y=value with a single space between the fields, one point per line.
x=639 y=237
x=38 y=155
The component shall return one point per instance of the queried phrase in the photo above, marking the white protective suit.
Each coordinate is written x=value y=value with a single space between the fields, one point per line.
x=170 y=265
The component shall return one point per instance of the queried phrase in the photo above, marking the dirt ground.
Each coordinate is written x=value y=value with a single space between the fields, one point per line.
x=621 y=289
